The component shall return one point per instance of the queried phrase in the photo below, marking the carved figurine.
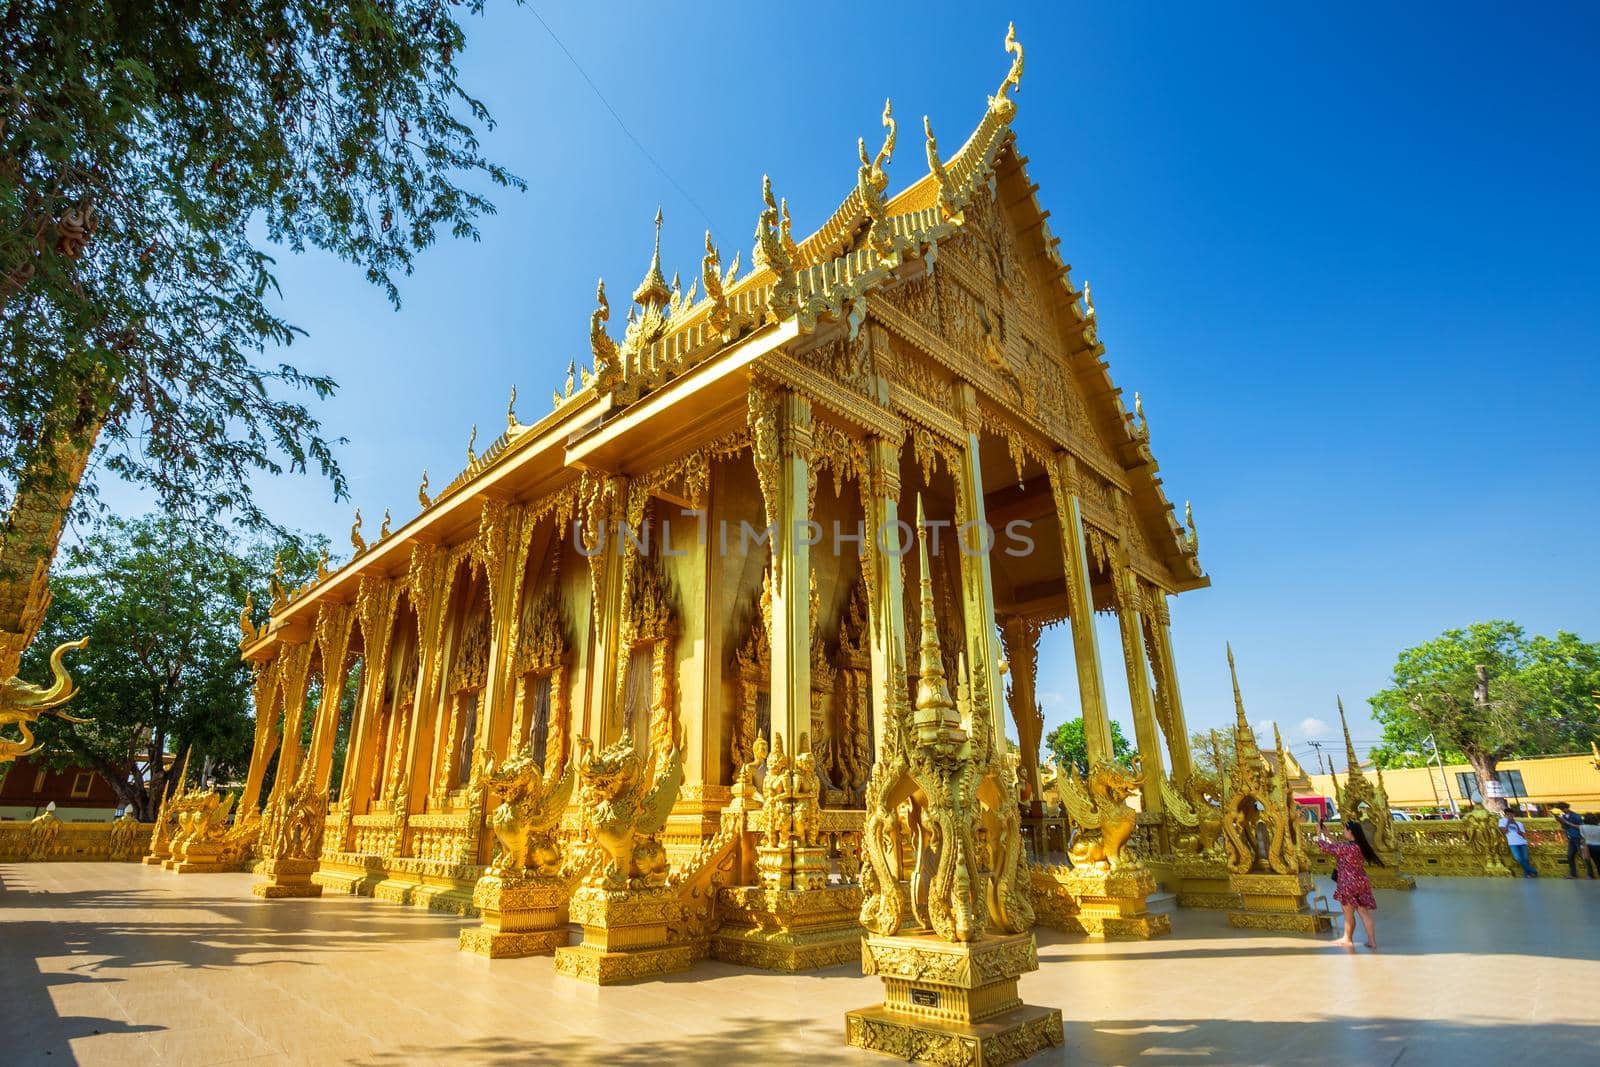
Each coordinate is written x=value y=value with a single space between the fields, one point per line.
x=529 y=812
x=806 y=806
x=621 y=817
x=1100 y=803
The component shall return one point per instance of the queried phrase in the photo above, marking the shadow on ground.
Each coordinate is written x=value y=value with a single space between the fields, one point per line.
x=1327 y=1042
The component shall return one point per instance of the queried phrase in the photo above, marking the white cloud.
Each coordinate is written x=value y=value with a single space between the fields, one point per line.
x=1314 y=729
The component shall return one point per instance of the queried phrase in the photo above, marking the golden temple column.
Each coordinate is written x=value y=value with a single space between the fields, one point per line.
x=605 y=507
x=295 y=678
x=1021 y=640
x=334 y=622
x=497 y=548
x=264 y=692
x=429 y=597
x=1080 y=608
x=887 y=624
x=1177 y=727
x=973 y=540
x=791 y=596
x=1130 y=622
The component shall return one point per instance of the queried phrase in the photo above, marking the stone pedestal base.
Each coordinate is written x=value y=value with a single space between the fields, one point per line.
x=792 y=867
x=625 y=936
x=788 y=929
x=287 y=878
x=1202 y=882
x=1276 y=902
x=428 y=884
x=521 y=917
x=201 y=857
x=952 y=1002
x=1105 y=904
x=158 y=857
x=349 y=873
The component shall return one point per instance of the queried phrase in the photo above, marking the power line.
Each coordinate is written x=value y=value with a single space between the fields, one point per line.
x=620 y=124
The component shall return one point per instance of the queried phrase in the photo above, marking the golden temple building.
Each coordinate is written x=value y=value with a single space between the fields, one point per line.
x=646 y=648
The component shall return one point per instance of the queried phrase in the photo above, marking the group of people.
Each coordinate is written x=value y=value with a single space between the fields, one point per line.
x=1582 y=833
x=1353 y=852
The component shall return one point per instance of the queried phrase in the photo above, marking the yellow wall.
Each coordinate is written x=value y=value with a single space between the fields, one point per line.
x=1546 y=779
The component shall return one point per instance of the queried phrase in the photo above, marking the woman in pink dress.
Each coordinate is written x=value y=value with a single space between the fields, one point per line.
x=1354 y=891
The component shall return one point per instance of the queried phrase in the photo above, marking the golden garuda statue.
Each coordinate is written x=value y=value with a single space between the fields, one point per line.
x=1099 y=809
x=528 y=815
x=623 y=815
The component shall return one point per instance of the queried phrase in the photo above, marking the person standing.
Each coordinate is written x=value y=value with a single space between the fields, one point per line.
x=1517 y=841
x=1590 y=832
x=1354 y=890
x=1572 y=827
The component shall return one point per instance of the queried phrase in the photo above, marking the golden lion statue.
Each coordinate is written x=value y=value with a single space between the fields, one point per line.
x=1100 y=803
x=529 y=812
x=622 y=817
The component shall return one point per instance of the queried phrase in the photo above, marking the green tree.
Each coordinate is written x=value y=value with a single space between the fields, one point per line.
x=150 y=155
x=1066 y=744
x=1488 y=692
x=1212 y=751
x=161 y=673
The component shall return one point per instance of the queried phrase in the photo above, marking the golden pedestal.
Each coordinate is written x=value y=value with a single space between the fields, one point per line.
x=1203 y=882
x=349 y=873
x=521 y=917
x=788 y=929
x=158 y=856
x=200 y=857
x=1276 y=902
x=951 y=1002
x=625 y=936
x=287 y=878
x=1104 y=904
x=1390 y=876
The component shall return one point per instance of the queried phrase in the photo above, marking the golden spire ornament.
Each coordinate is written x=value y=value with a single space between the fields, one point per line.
x=511 y=411
x=357 y=542
x=383 y=531
x=472 y=440
x=422 y=492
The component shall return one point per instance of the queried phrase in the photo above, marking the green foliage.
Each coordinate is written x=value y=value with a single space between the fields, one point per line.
x=1212 y=751
x=1066 y=744
x=150 y=153
x=161 y=672
x=1540 y=697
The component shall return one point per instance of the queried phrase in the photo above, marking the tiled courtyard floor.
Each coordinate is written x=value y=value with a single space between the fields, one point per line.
x=125 y=964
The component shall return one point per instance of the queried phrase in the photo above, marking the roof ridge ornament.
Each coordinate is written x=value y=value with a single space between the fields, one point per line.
x=1001 y=104
x=711 y=277
x=769 y=252
x=653 y=291
x=947 y=188
x=871 y=181
x=607 y=366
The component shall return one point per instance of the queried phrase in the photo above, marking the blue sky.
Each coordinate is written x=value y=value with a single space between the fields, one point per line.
x=1346 y=253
